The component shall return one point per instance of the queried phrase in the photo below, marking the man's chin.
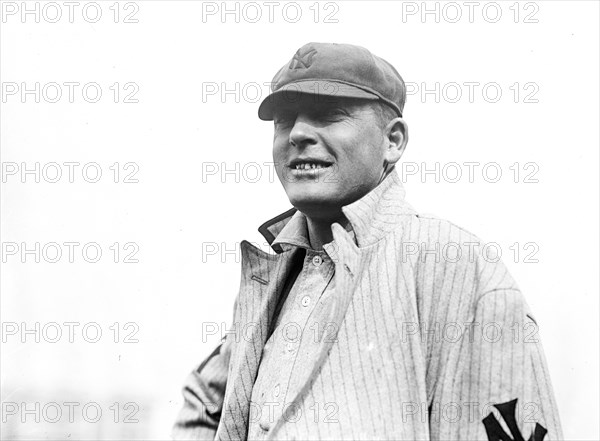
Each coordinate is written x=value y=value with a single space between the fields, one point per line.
x=316 y=205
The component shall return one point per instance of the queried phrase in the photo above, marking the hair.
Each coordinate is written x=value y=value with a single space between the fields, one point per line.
x=384 y=112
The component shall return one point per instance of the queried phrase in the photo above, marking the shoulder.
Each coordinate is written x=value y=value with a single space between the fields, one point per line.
x=438 y=248
x=432 y=229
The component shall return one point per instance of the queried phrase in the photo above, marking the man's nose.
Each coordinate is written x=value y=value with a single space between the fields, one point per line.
x=303 y=132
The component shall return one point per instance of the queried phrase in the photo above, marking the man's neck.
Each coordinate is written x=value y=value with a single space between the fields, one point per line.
x=319 y=230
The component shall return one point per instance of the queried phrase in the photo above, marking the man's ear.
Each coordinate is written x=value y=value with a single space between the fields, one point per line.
x=396 y=133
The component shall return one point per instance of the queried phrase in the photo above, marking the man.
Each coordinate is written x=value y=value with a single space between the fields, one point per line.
x=360 y=327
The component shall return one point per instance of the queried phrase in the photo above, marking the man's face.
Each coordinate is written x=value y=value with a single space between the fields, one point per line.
x=327 y=153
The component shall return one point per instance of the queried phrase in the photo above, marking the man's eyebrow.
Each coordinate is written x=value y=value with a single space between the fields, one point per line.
x=283 y=112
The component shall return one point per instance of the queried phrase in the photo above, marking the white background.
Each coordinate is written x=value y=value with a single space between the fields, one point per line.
x=176 y=212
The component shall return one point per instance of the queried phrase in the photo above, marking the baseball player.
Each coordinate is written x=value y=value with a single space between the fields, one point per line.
x=368 y=320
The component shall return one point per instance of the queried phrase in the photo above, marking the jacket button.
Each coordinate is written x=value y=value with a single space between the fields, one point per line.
x=317 y=260
x=305 y=301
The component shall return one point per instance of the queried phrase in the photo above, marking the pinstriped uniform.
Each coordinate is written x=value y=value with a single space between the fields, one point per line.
x=294 y=342
x=431 y=332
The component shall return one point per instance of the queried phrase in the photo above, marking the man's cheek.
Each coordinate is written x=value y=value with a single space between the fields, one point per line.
x=279 y=163
x=333 y=176
x=285 y=175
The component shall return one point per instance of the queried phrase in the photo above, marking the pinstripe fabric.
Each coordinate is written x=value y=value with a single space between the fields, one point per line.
x=295 y=339
x=431 y=332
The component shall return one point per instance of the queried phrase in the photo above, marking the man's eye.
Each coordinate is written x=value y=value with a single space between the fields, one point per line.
x=334 y=112
x=283 y=119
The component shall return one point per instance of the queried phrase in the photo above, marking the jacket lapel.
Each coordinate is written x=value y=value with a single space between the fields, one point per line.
x=263 y=278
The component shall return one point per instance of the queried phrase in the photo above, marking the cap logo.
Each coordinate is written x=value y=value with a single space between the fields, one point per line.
x=302 y=61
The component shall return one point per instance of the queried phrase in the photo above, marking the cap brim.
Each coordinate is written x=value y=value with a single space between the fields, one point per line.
x=320 y=90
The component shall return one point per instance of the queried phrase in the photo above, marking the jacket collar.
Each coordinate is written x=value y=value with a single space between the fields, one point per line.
x=295 y=233
x=371 y=217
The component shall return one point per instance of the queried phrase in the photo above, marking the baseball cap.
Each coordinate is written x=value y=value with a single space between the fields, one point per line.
x=340 y=70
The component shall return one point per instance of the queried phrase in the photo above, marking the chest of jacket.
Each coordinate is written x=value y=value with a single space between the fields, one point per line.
x=368 y=380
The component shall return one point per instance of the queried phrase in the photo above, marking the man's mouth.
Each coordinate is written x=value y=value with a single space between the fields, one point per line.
x=309 y=164
x=310 y=168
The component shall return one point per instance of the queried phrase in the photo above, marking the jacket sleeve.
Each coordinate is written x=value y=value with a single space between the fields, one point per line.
x=203 y=393
x=496 y=385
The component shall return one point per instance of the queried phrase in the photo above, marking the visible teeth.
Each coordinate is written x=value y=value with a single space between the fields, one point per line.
x=309 y=166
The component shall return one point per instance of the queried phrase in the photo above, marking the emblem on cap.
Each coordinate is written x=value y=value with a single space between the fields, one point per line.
x=302 y=60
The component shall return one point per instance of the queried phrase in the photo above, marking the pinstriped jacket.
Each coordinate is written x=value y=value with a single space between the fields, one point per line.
x=431 y=334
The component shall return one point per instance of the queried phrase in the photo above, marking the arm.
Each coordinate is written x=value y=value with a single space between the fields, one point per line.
x=500 y=360
x=203 y=393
